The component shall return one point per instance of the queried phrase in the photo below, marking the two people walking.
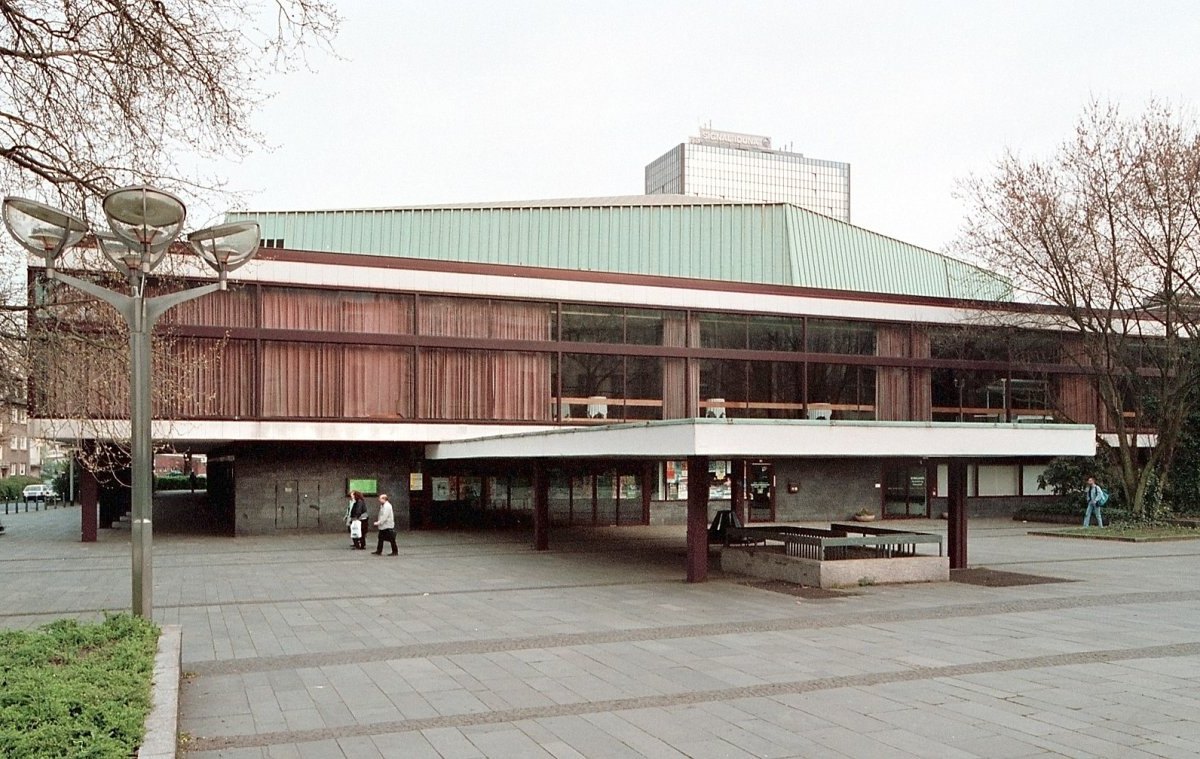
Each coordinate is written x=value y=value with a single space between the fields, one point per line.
x=358 y=518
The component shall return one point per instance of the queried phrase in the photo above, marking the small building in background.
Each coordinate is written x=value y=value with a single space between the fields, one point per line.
x=744 y=167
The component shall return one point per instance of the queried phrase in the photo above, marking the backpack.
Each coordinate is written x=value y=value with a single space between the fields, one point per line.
x=1102 y=496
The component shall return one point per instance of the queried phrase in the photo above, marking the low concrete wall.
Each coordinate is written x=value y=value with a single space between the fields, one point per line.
x=771 y=563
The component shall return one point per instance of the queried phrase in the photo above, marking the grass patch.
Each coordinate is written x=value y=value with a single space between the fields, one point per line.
x=71 y=689
x=1135 y=533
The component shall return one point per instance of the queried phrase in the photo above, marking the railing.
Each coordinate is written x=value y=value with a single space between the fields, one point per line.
x=836 y=543
x=991 y=414
x=601 y=409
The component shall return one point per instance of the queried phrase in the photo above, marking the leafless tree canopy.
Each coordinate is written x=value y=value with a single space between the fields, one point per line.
x=99 y=93
x=1107 y=230
x=96 y=94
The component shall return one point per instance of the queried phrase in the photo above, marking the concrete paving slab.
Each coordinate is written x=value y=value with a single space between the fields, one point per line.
x=472 y=645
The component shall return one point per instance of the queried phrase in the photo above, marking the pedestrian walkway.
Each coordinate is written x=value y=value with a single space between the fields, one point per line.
x=471 y=645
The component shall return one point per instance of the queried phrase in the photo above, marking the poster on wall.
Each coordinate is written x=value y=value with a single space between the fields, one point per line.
x=440 y=487
x=362 y=485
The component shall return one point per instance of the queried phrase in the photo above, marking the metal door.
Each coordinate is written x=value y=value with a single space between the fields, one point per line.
x=309 y=499
x=287 y=505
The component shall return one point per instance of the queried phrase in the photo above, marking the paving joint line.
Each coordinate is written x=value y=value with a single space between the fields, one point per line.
x=563 y=640
x=765 y=690
x=341 y=597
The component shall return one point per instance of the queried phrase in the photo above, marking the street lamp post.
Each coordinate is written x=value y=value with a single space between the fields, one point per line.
x=144 y=222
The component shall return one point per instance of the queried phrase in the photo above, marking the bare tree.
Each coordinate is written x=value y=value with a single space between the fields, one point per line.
x=96 y=94
x=1107 y=232
x=99 y=93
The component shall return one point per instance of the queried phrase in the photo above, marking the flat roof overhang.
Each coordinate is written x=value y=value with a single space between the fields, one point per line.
x=738 y=438
x=204 y=435
x=674 y=438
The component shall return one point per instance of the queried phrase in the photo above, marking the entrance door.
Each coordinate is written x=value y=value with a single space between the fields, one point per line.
x=905 y=490
x=760 y=487
x=309 y=498
x=287 y=505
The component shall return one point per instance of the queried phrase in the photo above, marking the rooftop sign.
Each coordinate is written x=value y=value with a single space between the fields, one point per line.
x=732 y=139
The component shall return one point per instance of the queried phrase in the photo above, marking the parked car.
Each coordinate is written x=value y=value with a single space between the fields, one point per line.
x=39 y=493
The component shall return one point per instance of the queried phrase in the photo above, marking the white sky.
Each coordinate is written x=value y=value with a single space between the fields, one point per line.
x=480 y=101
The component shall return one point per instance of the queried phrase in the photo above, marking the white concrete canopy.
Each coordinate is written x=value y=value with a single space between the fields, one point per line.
x=735 y=438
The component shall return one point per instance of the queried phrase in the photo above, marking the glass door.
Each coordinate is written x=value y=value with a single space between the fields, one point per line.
x=760 y=487
x=905 y=491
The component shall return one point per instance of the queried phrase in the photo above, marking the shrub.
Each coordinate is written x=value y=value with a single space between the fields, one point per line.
x=73 y=689
x=1067 y=475
x=178 y=482
x=11 y=487
x=1065 y=510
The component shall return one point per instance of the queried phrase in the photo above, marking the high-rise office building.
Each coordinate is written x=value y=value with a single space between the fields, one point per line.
x=744 y=167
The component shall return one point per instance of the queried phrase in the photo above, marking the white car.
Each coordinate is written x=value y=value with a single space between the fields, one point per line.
x=39 y=493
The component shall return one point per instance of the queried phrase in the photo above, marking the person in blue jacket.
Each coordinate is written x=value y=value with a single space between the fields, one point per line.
x=1096 y=497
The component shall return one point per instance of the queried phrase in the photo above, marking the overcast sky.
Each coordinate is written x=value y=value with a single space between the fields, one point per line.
x=480 y=101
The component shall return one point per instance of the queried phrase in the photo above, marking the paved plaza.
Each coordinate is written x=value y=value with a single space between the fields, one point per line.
x=471 y=645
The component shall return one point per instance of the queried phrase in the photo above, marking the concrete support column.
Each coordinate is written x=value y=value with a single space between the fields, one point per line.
x=737 y=488
x=649 y=472
x=541 y=507
x=957 y=513
x=424 y=519
x=697 y=519
x=89 y=502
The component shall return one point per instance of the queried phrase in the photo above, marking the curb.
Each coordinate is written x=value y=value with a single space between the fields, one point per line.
x=162 y=724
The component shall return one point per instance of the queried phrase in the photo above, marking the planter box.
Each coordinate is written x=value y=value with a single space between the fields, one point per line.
x=771 y=563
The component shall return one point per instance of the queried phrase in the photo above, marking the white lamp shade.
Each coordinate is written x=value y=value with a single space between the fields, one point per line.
x=117 y=251
x=42 y=229
x=145 y=218
x=226 y=246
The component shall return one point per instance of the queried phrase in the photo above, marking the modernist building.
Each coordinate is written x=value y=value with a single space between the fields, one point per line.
x=744 y=167
x=602 y=361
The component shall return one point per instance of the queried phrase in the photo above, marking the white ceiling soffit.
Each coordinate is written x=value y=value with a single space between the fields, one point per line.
x=731 y=438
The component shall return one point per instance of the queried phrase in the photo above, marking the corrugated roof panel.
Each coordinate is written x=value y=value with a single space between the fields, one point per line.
x=768 y=243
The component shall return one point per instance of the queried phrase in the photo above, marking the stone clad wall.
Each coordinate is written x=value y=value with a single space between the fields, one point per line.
x=827 y=490
x=270 y=480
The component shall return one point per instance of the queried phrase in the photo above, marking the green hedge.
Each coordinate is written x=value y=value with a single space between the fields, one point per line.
x=179 y=482
x=11 y=487
x=76 y=690
x=1070 y=510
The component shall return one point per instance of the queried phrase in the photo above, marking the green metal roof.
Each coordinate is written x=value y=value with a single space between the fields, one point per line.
x=674 y=236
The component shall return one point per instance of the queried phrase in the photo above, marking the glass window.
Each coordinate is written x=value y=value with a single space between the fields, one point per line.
x=592 y=324
x=644 y=387
x=841 y=391
x=643 y=326
x=833 y=336
x=997 y=479
x=722 y=384
x=776 y=390
x=968 y=344
x=722 y=331
x=776 y=334
x=601 y=387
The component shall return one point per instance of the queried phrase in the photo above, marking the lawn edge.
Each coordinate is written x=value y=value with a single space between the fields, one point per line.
x=162 y=723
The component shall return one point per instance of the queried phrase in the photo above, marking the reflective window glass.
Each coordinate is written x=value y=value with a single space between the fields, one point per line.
x=834 y=336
